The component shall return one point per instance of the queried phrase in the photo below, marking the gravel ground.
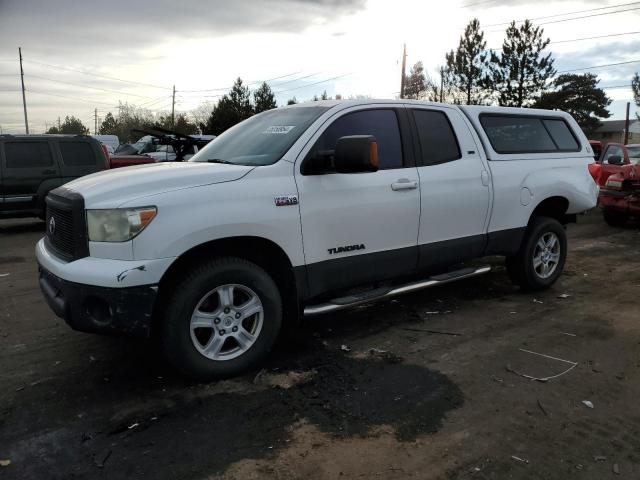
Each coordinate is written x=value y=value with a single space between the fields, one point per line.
x=429 y=385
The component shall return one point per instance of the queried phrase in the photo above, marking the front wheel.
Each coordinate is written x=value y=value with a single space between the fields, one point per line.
x=542 y=255
x=221 y=319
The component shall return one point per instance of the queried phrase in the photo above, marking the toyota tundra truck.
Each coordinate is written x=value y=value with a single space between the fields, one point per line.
x=306 y=210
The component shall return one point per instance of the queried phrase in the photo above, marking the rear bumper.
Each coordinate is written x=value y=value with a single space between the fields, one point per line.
x=94 y=309
x=620 y=201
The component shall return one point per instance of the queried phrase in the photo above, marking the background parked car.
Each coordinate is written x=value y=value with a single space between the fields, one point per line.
x=32 y=165
x=111 y=141
x=619 y=180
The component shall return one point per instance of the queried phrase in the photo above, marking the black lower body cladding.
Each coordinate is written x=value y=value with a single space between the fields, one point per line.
x=92 y=309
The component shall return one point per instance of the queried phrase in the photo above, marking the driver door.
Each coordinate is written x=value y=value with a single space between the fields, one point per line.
x=360 y=228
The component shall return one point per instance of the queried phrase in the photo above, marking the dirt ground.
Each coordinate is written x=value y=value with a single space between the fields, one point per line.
x=425 y=386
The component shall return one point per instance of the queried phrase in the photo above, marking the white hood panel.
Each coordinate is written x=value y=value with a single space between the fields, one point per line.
x=111 y=188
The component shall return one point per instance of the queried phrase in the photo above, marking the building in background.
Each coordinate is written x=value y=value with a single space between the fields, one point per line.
x=613 y=131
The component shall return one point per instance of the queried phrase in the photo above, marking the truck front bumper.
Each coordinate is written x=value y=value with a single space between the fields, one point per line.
x=87 y=308
x=100 y=295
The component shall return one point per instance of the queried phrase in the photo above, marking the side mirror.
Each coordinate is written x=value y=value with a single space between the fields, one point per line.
x=614 y=160
x=355 y=154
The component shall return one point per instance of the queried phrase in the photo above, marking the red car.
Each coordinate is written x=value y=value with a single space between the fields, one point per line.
x=619 y=181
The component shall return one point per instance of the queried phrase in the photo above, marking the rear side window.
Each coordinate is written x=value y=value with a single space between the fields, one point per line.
x=382 y=124
x=437 y=138
x=561 y=135
x=512 y=134
x=76 y=154
x=27 y=154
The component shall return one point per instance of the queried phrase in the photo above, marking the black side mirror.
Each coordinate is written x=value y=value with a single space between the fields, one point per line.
x=615 y=160
x=355 y=154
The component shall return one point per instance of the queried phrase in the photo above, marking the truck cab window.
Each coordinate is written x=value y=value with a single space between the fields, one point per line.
x=437 y=138
x=382 y=124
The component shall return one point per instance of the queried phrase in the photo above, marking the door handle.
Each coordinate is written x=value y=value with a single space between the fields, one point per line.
x=404 y=184
x=484 y=176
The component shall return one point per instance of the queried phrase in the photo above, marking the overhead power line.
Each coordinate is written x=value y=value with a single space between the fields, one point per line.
x=88 y=86
x=97 y=75
x=568 y=13
x=600 y=66
x=314 y=83
x=70 y=98
x=594 y=38
x=581 y=39
x=228 y=88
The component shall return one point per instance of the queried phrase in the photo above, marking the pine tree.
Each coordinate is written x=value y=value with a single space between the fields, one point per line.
x=109 y=125
x=521 y=72
x=232 y=108
x=292 y=101
x=70 y=126
x=580 y=96
x=467 y=66
x=415 y=84
x=263 y=98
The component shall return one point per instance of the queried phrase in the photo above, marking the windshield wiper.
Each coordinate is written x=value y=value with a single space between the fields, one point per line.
x=219 y=160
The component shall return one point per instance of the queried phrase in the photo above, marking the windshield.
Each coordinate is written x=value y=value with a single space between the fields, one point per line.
x=634 y=154
x=262 y=139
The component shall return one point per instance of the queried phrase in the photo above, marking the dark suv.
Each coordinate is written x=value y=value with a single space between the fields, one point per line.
x=32 y=165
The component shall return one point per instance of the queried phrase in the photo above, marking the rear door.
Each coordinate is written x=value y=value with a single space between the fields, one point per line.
x=454 y=188
x=79 y=157
x=28 y=166
x=361 y=227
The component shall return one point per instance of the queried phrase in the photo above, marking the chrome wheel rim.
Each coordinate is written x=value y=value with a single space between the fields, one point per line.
x=546 y=255
x=226 y=322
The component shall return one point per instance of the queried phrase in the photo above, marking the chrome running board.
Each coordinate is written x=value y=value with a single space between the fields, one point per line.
x=387 y=292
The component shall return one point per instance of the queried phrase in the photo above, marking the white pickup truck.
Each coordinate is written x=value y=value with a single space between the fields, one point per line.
x=288 y=212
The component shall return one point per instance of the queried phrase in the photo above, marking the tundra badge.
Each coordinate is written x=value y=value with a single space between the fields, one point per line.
x=284 y=200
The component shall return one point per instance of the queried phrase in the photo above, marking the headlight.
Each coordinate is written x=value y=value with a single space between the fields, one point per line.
x=118 y=224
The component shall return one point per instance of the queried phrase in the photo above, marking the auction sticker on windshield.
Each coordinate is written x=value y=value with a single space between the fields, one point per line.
x=279 y=129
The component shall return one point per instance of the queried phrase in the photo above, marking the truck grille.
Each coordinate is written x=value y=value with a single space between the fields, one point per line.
x=66 y=224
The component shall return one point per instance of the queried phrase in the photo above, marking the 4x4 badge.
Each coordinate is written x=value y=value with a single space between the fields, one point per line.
x=52 y=225
x=284 y=200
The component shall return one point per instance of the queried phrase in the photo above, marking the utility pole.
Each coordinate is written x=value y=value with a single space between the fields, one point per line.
x=441 y=83
x=95 y=121
x=58 y=124
x=404 y=66
x=24 y=98
x=173 y=107
x=626 y=125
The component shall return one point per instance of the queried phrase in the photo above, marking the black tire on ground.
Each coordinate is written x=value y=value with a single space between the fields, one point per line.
x=520 y=267
x=615 y=218
x=186 y=293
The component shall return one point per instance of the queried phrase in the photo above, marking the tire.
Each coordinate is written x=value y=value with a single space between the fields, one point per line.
x=535 y=267
x=615 y=218
x=205 y=343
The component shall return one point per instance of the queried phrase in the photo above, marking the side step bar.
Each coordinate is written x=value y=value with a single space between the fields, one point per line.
x=387 y=292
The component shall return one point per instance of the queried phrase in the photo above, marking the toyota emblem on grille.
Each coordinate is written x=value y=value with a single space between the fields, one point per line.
x=52 y=225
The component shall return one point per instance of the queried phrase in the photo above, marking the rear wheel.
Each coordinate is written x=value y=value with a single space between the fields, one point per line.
x=221 y=319
x=542 y=255
x=615 y=218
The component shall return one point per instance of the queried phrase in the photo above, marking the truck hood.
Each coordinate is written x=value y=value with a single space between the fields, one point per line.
x=111 y=188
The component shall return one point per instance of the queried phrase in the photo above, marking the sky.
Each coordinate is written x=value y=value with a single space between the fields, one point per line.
x=85 y=55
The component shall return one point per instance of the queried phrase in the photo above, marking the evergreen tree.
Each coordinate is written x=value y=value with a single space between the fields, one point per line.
x=580 y=96
x=521 y=72
x=232 y=108
x=292 y=101
x=467 y=66
x=263 y=98
x=109 y=125
x=415 y=84
x=70 y=126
